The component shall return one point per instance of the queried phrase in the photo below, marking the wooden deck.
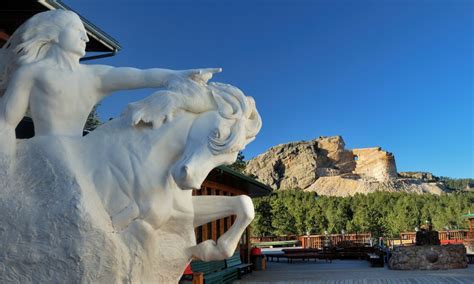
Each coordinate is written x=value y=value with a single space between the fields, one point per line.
x=352 y=271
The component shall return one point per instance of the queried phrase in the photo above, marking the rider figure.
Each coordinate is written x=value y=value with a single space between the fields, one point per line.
x=43 y=73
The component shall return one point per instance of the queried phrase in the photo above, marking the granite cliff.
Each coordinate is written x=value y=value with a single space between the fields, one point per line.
x=324 y=165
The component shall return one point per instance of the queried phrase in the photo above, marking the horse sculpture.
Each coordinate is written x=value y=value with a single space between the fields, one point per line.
x=129 y=183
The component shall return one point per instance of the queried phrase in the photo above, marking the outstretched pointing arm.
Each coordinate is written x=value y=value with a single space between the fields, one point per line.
x=112 y=79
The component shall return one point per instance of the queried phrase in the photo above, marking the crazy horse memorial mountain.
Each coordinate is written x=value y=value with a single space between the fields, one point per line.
x=325 y=166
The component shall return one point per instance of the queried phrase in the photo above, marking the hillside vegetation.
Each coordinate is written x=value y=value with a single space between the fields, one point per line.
x=458 y=183
x=381 y=213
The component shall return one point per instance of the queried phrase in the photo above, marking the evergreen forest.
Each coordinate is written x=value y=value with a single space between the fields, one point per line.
x=295 y=212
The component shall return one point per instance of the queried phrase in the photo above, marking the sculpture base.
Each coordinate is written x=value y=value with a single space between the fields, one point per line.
x=55 y=230
x=429 y=257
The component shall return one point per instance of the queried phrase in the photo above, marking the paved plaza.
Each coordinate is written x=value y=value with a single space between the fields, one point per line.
x=352 y=271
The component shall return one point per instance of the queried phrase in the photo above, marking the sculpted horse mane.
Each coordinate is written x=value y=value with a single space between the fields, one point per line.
x=228 y=100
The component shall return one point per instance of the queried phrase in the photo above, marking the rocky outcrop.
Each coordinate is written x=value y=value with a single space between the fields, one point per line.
x=344 y=186
x=290 y=165
x=428 y=257
x=424 y=176
x=324 y=165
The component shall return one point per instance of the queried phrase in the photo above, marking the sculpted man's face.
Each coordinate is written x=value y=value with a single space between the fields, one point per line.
x=73 y=37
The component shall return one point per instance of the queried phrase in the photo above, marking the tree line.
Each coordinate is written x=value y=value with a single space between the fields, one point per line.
x=385 y=214
x=457 y=183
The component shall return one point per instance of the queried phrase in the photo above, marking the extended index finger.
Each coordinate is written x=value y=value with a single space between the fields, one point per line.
x=211 y=70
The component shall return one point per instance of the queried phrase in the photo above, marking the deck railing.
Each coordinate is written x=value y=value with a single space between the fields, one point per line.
x=319 y=241
x=273 y=239
x=445 y=237
x=406 y=238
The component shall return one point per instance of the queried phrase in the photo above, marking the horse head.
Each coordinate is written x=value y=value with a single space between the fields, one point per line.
x=217 y=136
x=155 y=155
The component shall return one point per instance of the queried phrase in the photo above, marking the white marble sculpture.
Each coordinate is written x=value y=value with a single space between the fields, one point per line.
x=40 y=69
x=115 y=205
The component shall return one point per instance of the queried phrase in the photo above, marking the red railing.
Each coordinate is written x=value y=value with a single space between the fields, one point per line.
x=406 y=238
x=273 y=239
x=319 y=241
x=445 y=237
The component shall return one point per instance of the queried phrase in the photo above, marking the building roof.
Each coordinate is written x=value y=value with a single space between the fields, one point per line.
x=250 y=186
x=13 y=13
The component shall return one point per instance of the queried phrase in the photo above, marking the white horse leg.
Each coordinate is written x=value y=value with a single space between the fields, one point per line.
x=210 y=208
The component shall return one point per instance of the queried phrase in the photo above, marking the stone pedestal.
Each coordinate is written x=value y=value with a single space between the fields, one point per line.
x=52 y=230
x=428 y=257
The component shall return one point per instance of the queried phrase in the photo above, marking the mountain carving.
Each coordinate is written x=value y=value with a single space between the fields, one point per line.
x=325 y=166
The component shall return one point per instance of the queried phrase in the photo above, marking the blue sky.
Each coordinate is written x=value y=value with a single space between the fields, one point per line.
x=395 y=74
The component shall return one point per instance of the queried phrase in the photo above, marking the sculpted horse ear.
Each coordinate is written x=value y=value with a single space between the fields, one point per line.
x=254 y=122
x=225 y=109
x=229 y=99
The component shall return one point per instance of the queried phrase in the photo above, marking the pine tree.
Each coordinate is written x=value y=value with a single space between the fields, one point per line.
x=93 y=120
x=262 y=224
x=282 y=222
x=240 y=164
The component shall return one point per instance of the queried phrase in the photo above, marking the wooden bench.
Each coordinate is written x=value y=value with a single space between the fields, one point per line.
x=307 y=254
x=219 y=271
x=271 y=256
x=236 y=263
x=328 y=257
x=355 y=252
x=213 y=272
